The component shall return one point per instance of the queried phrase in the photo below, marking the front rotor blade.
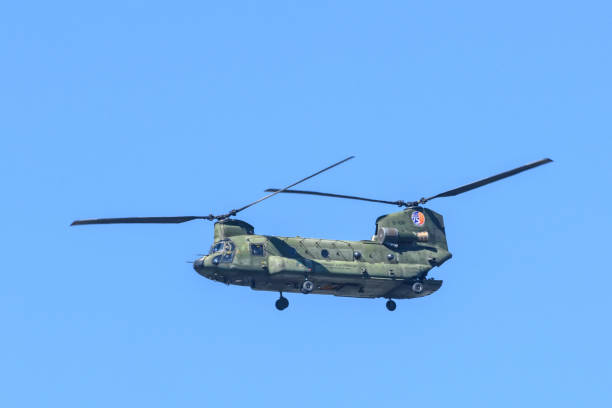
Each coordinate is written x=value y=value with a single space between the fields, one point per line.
x=140 y=220
x=234 y=212
x=488 y=180
x=317 y=193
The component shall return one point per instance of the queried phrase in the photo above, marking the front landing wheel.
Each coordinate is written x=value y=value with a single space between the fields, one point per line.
x=391 y=305
x=282 y=303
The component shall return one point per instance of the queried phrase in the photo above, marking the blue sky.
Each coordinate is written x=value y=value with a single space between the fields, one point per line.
x=150 y=109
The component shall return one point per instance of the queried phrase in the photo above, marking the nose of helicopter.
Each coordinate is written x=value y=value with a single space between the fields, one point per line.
x=198 y=265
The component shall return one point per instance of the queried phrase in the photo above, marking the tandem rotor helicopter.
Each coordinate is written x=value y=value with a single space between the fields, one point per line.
x=394 y=264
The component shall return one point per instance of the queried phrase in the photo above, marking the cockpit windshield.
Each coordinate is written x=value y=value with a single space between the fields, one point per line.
x=217 y=247
x=222 y=246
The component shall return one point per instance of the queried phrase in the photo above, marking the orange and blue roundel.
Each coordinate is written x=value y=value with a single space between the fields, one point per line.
x=418 y=218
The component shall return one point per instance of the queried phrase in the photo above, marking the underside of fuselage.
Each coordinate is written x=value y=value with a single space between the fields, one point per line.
x=358 y=286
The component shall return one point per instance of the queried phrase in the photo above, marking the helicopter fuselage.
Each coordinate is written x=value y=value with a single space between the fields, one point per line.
x=406 y=246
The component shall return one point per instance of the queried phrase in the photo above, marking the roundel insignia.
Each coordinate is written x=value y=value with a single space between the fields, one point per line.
x=418 y=218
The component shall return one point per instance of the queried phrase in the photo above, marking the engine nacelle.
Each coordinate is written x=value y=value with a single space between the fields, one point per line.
x=392 y=236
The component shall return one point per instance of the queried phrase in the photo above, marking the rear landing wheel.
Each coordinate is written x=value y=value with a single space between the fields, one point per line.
x=391 y=305
x=282 y=303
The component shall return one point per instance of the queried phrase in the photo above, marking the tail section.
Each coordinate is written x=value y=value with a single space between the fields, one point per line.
x=414 y=228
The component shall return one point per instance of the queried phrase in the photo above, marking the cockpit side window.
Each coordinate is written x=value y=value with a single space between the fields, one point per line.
x=257 y=249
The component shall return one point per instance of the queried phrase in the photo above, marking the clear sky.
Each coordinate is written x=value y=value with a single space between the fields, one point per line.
x=136 y=108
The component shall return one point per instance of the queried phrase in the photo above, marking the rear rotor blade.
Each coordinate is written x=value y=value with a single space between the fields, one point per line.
x=486 y=181
x=141 y=220
x=317 y=193
x=449 y=193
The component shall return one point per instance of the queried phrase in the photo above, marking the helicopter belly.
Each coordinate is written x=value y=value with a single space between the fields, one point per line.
x=348 y=287
x=338 y=278
x=388 y=288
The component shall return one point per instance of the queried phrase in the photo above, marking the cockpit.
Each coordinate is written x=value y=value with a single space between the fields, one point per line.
x=224 y=249
x=221 y=246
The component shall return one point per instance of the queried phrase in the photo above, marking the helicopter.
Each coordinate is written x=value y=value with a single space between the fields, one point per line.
x=393 y=264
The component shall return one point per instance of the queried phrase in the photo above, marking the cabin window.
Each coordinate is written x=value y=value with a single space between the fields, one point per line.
x=257 y=249
x=324 y=253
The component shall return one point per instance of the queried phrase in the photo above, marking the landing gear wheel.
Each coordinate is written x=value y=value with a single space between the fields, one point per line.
x=282 y=303
x=391 y=305
x=417 y=287
x=307 y=286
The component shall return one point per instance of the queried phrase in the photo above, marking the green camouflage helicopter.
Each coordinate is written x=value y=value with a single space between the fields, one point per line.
x=394 y=264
